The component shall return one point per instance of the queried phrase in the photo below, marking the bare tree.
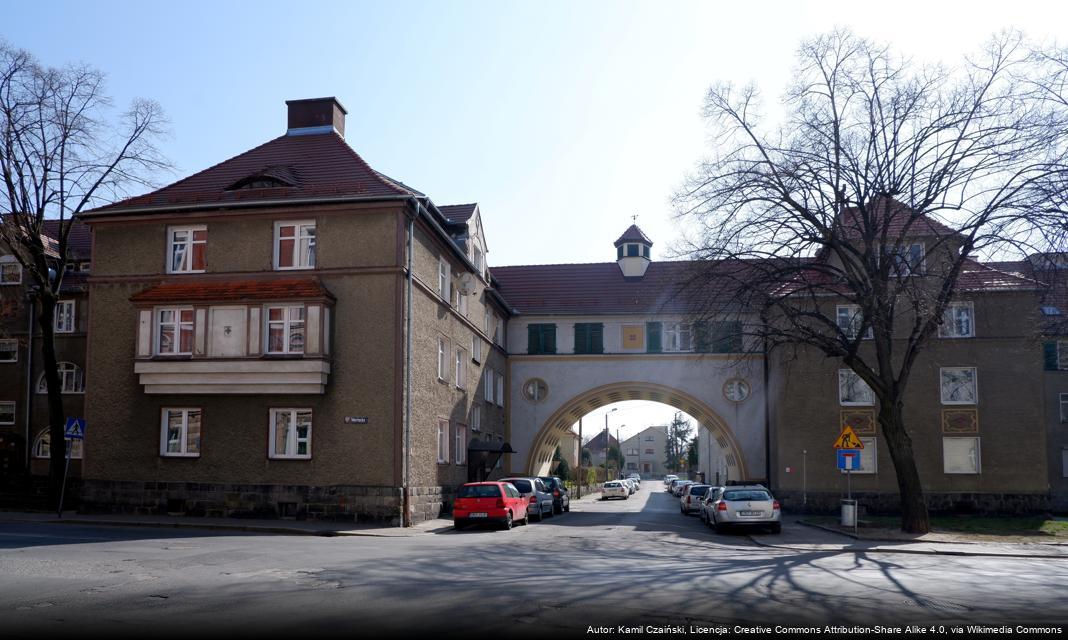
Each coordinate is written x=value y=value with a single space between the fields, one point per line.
x=872 y=152
x=60 y=155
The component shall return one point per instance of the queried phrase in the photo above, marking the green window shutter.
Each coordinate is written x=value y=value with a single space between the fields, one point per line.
x=549 y=338
x=701 y=342
x=1049 y=353
x=619 y=252
x=652 y=337
x=596 y=332
x=533 y=338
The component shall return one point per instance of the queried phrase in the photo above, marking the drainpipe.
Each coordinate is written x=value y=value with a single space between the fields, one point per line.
x=406 y=519
x=29 y=379
x=767 y=418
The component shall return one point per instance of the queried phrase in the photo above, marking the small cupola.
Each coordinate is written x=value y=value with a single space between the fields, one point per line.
x=633 y=252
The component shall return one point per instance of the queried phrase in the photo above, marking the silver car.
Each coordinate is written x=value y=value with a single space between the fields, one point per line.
x=691 y=497
x=539 y=498
x=680 y=486
x=745 y=505
x=615 y=489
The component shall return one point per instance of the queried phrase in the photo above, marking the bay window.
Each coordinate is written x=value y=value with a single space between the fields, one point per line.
x=285 y=329
x=174 y=331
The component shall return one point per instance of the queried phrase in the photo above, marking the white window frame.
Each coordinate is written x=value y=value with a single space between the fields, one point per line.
x=443 y=441
x=184 y=451
x=948 y=328
x=443 y=360
x=487 y=319
x=304 y=244
x=956 y=440
x=476 y=348
x=461 y=368
x=444 y=279
x=38 y=452
x=942 y=388
x=672 y=337
x=500 y=389
x=6 y=264
x=498 y=330
x=63 y=320
x=477 y=259
x=461 y=444
x=292 y=441
x=71 y=377
x=4 y=405
x=869 y=457
x=14 y=350
x=852 y=326
x=187 y=256
x=178 y=323
x=287 y=323
x=845 y=376
x=903 y=259
x=476 y=418
x=487 y=387
x=1063 y=398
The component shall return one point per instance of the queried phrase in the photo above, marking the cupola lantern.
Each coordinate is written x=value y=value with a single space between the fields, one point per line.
x=633 y=252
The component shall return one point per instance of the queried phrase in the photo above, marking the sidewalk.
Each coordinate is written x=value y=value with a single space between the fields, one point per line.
x=798 y=535
x=289 y=527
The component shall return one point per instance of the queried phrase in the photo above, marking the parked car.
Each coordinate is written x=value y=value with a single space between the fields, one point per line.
x=615 y=489
x=690 y=500
x=637 y=480
x=481 y=502
x=679 y=486
x=561 y=499
x=708 y=503
x=668 y=478
x=746 y=505
x=539 y=498
x=630 y=485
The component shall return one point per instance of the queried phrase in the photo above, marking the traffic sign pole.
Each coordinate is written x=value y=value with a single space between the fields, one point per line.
x=66 y=468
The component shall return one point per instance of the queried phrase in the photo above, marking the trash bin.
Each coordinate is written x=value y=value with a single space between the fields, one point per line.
x=849 y=513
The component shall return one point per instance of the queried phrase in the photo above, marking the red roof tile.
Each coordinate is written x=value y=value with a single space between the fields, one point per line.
x=321 y=165
x=895 y=216
x=240 y=290
x=633 y=234
x=79 y=242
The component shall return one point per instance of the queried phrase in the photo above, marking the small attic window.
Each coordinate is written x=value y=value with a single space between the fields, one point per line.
x=1051 y=311
x=258 y=182
x=633 y=250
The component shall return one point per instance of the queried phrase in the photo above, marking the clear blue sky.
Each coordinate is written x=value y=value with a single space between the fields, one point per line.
x=562 y=119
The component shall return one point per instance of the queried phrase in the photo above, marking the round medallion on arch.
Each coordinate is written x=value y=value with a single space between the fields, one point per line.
x=535 y=390
x=736 y=390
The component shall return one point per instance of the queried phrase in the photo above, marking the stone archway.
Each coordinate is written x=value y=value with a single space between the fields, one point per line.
x=561 y=421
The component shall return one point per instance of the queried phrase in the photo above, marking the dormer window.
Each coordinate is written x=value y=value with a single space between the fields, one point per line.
x=269 y=178
x=634 y=251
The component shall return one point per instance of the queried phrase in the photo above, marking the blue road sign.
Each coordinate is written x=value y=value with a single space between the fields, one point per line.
x=849 y=459
x=75 y=429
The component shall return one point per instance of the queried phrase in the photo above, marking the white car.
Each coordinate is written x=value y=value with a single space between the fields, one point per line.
x=615 y=489
x=668 y=479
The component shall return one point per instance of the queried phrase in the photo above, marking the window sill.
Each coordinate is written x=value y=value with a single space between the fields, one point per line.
x=296 y=458
x=180 y=455
x=283 y=356
x=169 y=357
x=312 y=268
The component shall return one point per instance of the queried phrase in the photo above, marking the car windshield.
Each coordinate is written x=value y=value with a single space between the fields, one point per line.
x=698 y=490
x=612 y=485
x=479 y=491
x=746 y=495
x=549 y=482
x=522 y=485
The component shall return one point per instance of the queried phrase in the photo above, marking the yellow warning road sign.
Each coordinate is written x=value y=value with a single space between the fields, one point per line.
x=848 y=439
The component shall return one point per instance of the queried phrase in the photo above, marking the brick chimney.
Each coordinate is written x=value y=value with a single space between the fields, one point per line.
x=315 y=115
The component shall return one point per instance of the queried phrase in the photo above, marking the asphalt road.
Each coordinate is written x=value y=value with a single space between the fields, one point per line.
x=605 y=564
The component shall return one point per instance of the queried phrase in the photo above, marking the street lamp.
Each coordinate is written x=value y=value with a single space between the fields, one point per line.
x=606 y=436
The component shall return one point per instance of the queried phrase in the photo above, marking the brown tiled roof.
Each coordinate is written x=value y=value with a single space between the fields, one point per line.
x=233 y=291
x=457 y=213
x=318 y=166
x=975 y=276
x=601 y=288
x=633 y=234
x=79 y=242
x=895 y=215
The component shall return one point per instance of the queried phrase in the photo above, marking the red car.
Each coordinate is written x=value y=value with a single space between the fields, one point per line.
x=499 y=502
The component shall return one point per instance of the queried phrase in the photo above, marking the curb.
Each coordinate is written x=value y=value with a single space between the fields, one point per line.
x=922 y=552
x=296 y=531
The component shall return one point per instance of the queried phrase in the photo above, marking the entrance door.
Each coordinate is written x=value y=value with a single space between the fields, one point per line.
x=228 y=332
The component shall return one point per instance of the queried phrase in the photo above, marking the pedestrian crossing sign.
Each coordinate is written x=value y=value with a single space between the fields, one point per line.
x=848 y=439
x=74 y=429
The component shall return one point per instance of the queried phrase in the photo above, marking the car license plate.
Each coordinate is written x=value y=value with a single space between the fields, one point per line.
x=749 y=513
x=477 y=515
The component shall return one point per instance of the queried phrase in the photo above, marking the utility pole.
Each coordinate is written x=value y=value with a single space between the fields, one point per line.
x=581 y=478
x=606 y=437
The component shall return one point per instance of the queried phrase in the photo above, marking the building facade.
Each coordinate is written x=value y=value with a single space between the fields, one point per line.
x=644 y=452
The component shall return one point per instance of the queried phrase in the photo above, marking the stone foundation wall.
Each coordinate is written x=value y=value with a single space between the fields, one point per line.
x=302 y=502
x=937 y=503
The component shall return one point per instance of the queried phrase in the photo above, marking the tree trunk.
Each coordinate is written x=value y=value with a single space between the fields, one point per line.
x=913 y=506
x=56 y=419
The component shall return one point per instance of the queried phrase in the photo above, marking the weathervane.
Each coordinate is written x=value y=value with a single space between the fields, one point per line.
x=634 y=218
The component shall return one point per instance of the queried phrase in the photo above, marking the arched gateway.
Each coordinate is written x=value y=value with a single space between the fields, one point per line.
x=560 y=422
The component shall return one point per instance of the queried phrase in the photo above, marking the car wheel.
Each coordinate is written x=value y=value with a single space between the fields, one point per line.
x=604 y=497
x=717 y=527
x=551 y=512
x=507 y=521
x=537 y=519
x=567 y=507
x=776 y=527
x=626 y=497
